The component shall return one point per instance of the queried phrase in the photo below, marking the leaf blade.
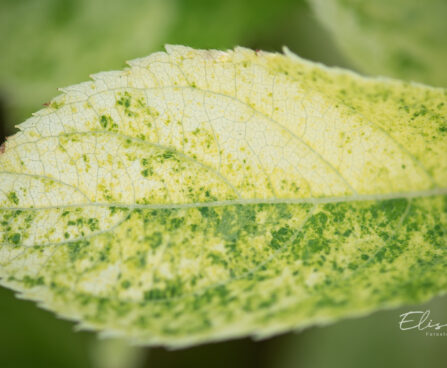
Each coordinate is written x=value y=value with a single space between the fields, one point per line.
x=202 y=195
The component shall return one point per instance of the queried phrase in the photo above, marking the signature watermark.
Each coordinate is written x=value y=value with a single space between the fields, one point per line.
x=420 y=320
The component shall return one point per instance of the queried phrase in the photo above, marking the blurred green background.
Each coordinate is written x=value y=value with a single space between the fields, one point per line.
x=46 y=44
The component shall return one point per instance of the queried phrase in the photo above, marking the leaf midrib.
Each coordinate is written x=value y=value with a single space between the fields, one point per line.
x=253 y=201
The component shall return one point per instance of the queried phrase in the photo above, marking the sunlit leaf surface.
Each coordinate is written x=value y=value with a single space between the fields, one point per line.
x=202 y=195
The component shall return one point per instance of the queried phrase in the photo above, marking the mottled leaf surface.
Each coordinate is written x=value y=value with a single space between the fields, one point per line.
x=202 y=195
x=400 y=38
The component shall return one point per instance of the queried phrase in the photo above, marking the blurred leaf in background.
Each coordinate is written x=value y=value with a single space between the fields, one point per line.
x=406 y=39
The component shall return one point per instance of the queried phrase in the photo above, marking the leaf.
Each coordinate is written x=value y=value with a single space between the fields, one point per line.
x=399 y=38
x=204 y=195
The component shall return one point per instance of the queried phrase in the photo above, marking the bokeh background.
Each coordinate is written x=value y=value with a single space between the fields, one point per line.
x=46 y=44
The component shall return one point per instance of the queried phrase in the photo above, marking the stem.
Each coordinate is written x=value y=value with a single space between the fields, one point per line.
x=116 y=353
